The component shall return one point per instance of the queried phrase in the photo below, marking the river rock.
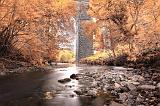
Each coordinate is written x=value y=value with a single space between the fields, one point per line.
x=135 y=83
x=156 y=77
x=131 y=86
x=92 y=93
x=125 y=89
x=137 y=78
x=48 y=95
x=118 y=90
x=117 y=85
x=108 y=88
x=74 y=76
x=146 y=87
x=114 y=104
x=65 y=80
x=72 y=95
x=115 y=93
x=140 y=99
x=2 y=73
x=78 y=92
x=123 y=97
x=158 y=85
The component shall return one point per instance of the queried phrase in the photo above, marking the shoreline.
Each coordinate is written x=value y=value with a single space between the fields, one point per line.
x=127 y=87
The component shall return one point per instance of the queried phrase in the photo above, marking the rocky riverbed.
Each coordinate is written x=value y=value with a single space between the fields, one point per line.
x=84 y=85
x=127 y=86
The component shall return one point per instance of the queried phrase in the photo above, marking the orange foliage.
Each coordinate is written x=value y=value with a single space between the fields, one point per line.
x=38 y=38
x=136 y=22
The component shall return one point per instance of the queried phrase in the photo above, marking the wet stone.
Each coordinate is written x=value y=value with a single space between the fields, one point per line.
x=117 y=85
x=137 y=78
x=78 y=92
x=123 y=97
x=146 y=87
x=2 y=73
x=140 y=99
x=156 y=77
x=114 y=104
x=125 y=89
x=74 y=76
x=48 y=95
x=69 y=86
x=135 y=83
x=65 y=80
x=131 y=86
x=158 y=85
x=72 y=95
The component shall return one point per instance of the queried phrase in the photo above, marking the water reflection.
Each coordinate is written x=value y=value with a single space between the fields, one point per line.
x=43 y=89
x=64 y=92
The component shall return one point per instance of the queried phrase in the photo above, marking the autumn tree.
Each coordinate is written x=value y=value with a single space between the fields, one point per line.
x=9 y=26
x=35 y=28
x=124 y=20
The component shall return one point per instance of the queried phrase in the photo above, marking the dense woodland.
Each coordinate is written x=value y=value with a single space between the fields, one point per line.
x=132 y=26
x=32 y=30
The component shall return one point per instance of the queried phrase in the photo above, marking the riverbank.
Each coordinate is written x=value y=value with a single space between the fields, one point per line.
x=148 y=59
x=138 y=84
x=9 y=67
x=126 y=86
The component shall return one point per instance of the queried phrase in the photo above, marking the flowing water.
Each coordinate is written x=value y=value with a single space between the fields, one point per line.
x=43 y=88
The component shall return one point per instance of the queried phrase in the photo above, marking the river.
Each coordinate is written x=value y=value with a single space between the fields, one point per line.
x=43 y=88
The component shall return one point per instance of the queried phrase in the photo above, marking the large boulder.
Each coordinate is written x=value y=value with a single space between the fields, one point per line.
x=74 y=76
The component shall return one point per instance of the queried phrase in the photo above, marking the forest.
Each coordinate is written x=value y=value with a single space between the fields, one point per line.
x=32 y=31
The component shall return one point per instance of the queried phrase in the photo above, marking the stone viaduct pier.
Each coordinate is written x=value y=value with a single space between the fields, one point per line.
x=84 y=45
